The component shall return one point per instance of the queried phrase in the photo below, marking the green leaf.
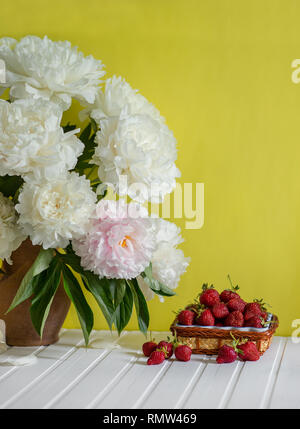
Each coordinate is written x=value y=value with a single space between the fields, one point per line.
x=45 y=287
x=26 y=288
x=69 y=127
x=140 y=306
x=155 y=285
x=123 y=311
x=74 y=292
x=88 y=138
x=73 y=261
x=118 y=289
x=85 y=135
x=10 y=184
x=100 y=289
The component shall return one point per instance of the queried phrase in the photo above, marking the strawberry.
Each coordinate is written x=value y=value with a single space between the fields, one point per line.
x=235 y=318
x=219 y=323
x=149 y=347
x=255 y=322
x=264 y=315
x=231 y=293
x=209 y=296
x=205 y=318
x=227 y=295
x=168 y=346
x=220 y=311
x=255 y=308
x=183 y=352
x=248 y=351
x=252 y=309
x=157 y=357
x=186 y=317
x=236 y=304
x=226 y=354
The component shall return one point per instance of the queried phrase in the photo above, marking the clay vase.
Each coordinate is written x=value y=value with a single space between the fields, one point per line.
x=19 y=328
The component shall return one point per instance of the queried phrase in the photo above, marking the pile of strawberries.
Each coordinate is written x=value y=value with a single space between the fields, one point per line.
x=246 y=351
x=224 y=309
x=157 y=353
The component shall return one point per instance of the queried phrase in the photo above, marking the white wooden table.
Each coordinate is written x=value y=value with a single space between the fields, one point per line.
x=112 y=374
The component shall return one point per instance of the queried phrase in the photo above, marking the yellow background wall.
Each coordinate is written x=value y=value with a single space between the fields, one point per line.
x=220 y=72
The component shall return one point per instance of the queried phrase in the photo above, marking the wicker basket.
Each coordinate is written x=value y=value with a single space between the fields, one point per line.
x=208 y=341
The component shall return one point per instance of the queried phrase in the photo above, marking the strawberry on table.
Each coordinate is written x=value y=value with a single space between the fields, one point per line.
x=226 y=354
x=168 y=346
x=235 y=319
x=149 y=347
x=248 y=351
x=157 y=357
x=210 y=296
x=183 y=352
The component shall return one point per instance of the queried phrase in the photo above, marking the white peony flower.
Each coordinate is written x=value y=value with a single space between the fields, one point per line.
x=143 y=150
x=55 y=212
x=41 y=68
x=168 y=262
x=118 y=96
x=11 y=235
x=32 y=143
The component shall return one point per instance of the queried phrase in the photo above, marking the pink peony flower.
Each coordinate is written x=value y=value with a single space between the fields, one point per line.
x=119 y=243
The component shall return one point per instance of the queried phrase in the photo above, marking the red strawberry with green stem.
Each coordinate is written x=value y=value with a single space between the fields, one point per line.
x=182 y=351
x=157 y=357
x=186 y=317
x=228 y=354
x=210 y=296
x=255 y=308
x=257 y=322
x=168 y=345
x=204 y=317
x=149 y=346
x=248 y=351
x=231 y=293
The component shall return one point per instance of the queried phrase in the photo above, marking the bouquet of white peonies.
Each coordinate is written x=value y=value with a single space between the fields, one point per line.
x=54 y=180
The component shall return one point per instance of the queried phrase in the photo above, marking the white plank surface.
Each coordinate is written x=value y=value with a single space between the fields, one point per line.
x=112 y=373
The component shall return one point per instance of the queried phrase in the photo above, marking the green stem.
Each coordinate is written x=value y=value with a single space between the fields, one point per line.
x=91 y=171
